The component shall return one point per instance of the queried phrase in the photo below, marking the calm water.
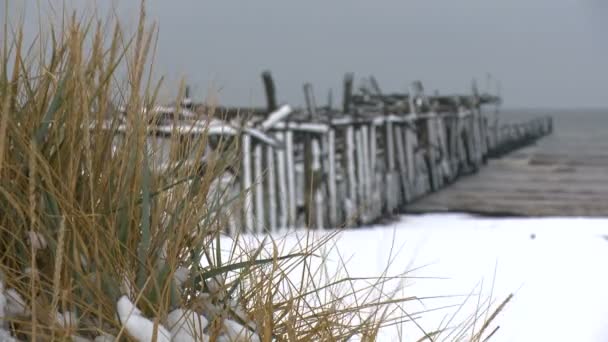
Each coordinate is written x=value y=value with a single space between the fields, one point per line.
x=580 y=132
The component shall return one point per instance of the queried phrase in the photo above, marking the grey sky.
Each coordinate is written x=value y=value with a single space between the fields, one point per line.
x=545 y=52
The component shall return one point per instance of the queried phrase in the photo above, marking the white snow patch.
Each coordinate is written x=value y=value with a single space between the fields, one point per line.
x=36 y=240
x=180 y=276
x=16 y=306
x=67 y=320
x=5 y=336
x=555 y=267
x=187 y=326
x=139 y=327
x=236 y=332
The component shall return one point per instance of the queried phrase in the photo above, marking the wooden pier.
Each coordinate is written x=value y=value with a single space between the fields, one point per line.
x=374 y=156
x=565 y=174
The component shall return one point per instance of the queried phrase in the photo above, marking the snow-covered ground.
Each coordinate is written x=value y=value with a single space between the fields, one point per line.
x=555 y=267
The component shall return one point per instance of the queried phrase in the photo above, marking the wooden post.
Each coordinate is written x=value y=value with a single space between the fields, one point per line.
x=291 y=178
x=361 y=174
x=431 y=144
x=283 y=188
x=316 y=172
x=373 y=155
x=411 y=143
x=351 y=203
x=259 y=188
x=369 y=181
x=272 y=195
x=271 y=98
x=333 y=196
x=309 y=173
x=246 y=183
x=401 y=159
x=348 y=93
x=389 y=150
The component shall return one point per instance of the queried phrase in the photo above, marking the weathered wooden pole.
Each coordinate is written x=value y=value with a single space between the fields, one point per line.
x=272 y=194
x=291 y=178
x=259 y=188
x=332 y=186
x=271 y=97
x=283 y=196
x=309 y=175
x=247 y=182
x=348 y=93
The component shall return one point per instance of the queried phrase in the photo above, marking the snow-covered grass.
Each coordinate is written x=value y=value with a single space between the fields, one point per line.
x=555 y=267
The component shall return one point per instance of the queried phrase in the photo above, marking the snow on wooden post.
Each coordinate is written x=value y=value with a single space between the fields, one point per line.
x=389 y=151
x=247 y=182
x=373 y=154
x=411 y=144
x=431 y=144
x=276 y=116
x=283 y=196
x=259 y=188
x=351 y=201
x=361 y=174
x=369 y=177
x=443 y=145
x=316 y=186
x=401 y=160
x=332 y=188
x=291 y=178
x=272 y=195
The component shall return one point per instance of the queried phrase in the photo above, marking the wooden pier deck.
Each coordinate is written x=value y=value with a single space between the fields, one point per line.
x=564 y=174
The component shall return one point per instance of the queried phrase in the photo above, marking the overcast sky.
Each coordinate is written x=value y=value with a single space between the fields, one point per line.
x=545 y=52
